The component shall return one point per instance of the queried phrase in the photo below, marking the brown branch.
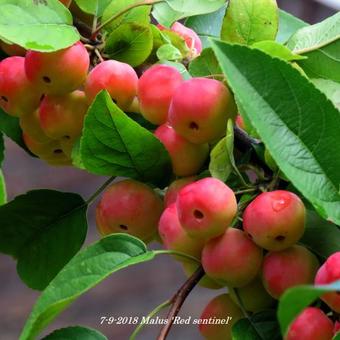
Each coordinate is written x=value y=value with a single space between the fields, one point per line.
x=178 y=299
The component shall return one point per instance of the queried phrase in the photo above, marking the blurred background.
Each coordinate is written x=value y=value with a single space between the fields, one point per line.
x=134 y=291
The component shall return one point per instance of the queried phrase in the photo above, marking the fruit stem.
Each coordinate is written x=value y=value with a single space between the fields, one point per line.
x=177 y=253
x=244 y=191
x=178 y=299
x=154 y=312
x=99 y=191
x=240 y=303
x=123 y=11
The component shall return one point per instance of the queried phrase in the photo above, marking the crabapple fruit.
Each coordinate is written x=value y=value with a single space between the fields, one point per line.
x=288 y=268
x=330 y=272
x=186 y=158
x=119 y=79
x=200 y=109
x=254 y=296
x=17 y=95
x=174 y=188
x=30 y=124
x=58 y=72
x=311 y=324
x=129 y=207
x=206 y=208
x=275 y=220
x=155 y=90
x=220 y=307
x=232 y=258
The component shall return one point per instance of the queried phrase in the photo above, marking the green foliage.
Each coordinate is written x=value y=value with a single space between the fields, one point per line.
x=321 y=44
x=330 y=88
x=112 y=145
x=180 y=67
x=42 y=230
x=277 y=103
x=3 y=191
x=249 y=21
x=130 y=43
x=88 y=268
x=44 y=25
x=296 y=299
x=169 y=52
x=205 y=64
x=95 y=7
x=75 y=333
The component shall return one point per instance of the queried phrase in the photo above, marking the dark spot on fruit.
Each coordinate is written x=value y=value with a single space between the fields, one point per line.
x=198 y=214
x=4 y=98
x=42 y=97
x=46 y=79
x=66 y=137
x=57 y=151
x=123 y=226
x=193 y=126
x=251 y=237
x=280 y=238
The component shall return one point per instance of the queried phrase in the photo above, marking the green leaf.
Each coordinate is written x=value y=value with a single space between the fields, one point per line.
x=180 y=67
x=321 y=44
x=221 y=156
x=2 y=148
x=337 y=336
x=249 y=21
x=275 y=49
x=169 y=52
x=95 y=7
x=76 y=156
x=88 y=268
x=113 y=144
x=130 y=43
x=75 y=333
x=37 y=25
x=297 y=123
x=205 y=64
x=260 y=326
x=42 y=229
x=3 y=191
x=330 y=88
x=288 y=25
x=321 y=237
x=296 y=299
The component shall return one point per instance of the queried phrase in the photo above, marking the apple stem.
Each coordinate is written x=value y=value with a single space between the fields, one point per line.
x=99 y=191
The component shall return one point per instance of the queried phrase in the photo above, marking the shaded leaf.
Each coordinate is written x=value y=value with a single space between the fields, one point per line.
x=205 y=64
x=75 y=333
x=330 y=88
x=95 y=7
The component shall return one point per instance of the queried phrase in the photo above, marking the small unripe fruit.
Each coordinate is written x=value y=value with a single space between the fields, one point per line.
x=206 y=208
x=155 y=90
x=232 y=258
x=174 y=188
x=200 y=109
x=186 y=158
x=119 y=79
x=30 y=125
x=288 y=268
x=330 y=272
x=275 y=220
x=17 y=95
x=129 y=207
x=254 y=296
x=311 y=324
x=58 y=72
x=221 y=307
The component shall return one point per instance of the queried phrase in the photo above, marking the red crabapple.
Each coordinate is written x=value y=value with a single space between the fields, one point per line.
x=17 y=95
x=232 y=258
x=174 y=188
x=155 y=90
x=311 y=324
x=275 y=220
x=186 y=158
x=219 y=308
x=119 y=79
x=200 y=109
x=58 y=72
x=288 y=268
x=129 y=207
x=206 y=208
x=330 y=272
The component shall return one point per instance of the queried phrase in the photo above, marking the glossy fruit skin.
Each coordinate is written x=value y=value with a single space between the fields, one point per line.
x=12 y=49
x=219 y=307
x=61 y=117
x=330 y=272
x=129 y=207
x=200 y=109
x=175 y=187
x=17 y=95
x=58 y=72
x=311 y=324
x=173 y=235
x=156 y=87
x=232 y=259
x=288 y=268
x=275 y=220
x=186 y=158
x=254 y=296
x=206 y=208
x=119 y=79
